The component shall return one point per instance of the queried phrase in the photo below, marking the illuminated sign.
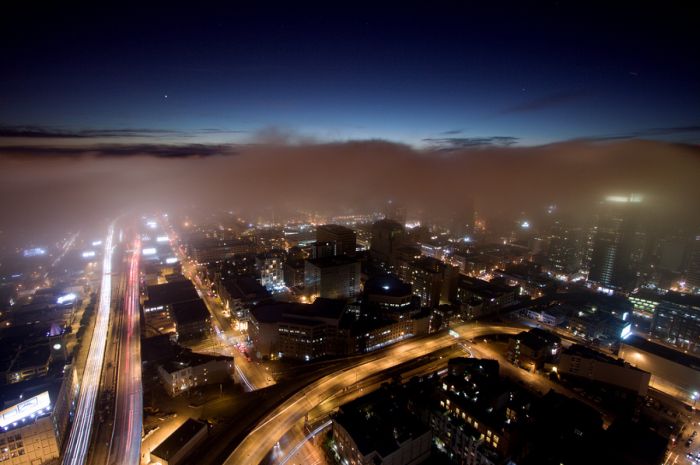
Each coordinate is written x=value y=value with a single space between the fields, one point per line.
x=66 y=299
x=149 y=251
x=26 y=409
x=626 y=331
x=152 y=224
x=88 y=254
x=96 y=243
x=170 y=260
x=162 y=239
x=35 y=252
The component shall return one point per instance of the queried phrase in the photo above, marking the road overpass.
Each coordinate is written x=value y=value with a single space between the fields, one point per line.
x=265 y=434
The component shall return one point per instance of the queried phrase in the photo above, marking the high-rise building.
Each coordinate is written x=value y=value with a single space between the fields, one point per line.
x=619 y=243
x=677 y=321
x=395 y=211
x=387 y=237
x=693 y=273
x=332 y=277
x=345 y=239
x=463 y=220
x=567 y=245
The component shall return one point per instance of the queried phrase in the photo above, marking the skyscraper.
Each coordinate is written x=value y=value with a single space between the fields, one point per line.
x=619 y=243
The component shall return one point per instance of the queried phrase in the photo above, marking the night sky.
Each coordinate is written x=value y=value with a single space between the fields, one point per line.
x=437 y=75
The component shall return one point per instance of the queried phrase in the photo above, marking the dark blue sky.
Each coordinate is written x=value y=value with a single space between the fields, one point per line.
x=443 y=74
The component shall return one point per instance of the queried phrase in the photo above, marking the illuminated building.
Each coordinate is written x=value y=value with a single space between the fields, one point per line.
x=432 y=280
x=582 y=362
x=332 y=277
x=483 y=297
x=619 y=244
x=693 y=273
x=270 y=265
x=322 y=249
x=157 y=309
x=672 y=371
x=677 y=321
x=392 y=297
x=345 y=239
x=34 y=419
x=188 y=370
x=239 y=294
x=532 y=349
x=376 y=430
x=566 y=247
x=300 y=331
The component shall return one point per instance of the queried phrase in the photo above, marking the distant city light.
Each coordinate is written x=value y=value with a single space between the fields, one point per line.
x=149 y=251
x=162 y=239
x=385 y=287
x=152 y=224
x=35 y=252
x=96 y=243
x=88 y=254
x=171 y=260
x=632 y=198
x=525 y=225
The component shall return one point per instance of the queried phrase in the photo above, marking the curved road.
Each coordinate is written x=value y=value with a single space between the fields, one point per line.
x=253 y=449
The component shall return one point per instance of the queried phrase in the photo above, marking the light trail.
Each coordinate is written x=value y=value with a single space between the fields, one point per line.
x=125 y=447
x=265 y=434
x=79 y=437
x=312 y=434
x=249 y=385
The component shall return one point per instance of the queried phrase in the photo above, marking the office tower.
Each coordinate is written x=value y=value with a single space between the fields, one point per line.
x=345 y=239
x=619 y=243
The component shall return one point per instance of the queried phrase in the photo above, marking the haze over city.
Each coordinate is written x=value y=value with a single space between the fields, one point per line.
x=419 y=233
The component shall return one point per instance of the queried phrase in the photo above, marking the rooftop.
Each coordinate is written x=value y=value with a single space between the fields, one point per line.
x=663 y=351
x=190 y=311
x=377 y=423
x=180 y=437
x=170 y=293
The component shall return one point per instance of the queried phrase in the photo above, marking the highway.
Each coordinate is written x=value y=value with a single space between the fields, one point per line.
x=253 y=449
x=125 y=445
x=79 y=438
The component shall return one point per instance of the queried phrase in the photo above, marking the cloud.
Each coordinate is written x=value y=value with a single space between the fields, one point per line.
x=646 y=133
x=268 y=180
x=544 y=102
x=451 y=132
x=458 y=143
x=120 y=150
x=46 y=132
